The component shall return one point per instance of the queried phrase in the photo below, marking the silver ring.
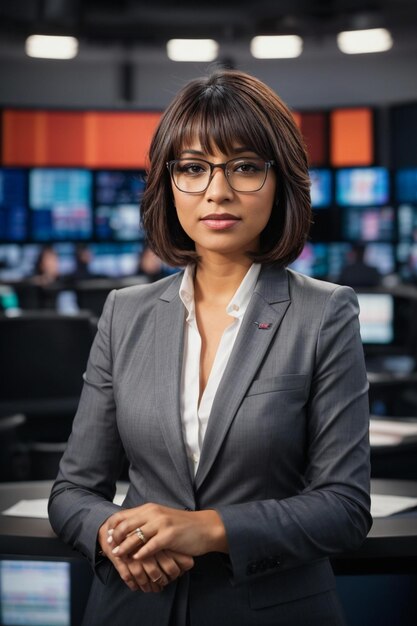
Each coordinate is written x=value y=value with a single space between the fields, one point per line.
x=140 y=535
x=158 y=579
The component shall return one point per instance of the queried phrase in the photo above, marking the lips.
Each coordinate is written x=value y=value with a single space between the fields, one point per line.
x=220 y=221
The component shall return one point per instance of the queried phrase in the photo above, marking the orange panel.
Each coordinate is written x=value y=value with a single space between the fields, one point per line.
x=65 y=138
x=23 y=137
x=119 y=139
x=351 y=137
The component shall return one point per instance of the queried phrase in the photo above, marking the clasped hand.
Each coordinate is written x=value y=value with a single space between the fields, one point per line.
x=172 y=538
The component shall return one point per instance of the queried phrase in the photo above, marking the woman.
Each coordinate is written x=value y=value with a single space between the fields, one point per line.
x=236 y=389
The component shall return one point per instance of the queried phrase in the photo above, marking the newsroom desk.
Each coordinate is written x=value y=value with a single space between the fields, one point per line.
x=388 y=555
x=391 y=543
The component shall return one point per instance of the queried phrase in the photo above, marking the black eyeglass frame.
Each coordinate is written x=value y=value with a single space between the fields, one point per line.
x=223 y=166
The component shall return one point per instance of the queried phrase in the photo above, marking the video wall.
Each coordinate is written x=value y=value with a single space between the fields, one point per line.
x=101 y=208
x=75 y=178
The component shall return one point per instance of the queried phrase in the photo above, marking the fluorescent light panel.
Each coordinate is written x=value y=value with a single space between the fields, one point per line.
x=276 y=46
x=51 y=47
x=192 y=49
x=364 y=41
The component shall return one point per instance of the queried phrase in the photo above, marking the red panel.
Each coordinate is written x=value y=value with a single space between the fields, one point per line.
x=23 y=137
x=314 y=130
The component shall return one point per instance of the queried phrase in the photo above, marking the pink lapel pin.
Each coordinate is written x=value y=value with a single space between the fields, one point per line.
x=263 y=325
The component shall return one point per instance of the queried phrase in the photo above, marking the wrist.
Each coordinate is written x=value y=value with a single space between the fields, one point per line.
x=215 y=538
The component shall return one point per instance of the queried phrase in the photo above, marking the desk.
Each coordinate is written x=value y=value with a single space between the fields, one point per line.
x=391 y=541
x=377 y=583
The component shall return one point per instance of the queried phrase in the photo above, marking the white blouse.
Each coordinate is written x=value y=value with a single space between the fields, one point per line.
x=195 y=418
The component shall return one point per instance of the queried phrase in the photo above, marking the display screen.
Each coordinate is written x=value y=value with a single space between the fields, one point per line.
x=117 y=196
x=406 y=185
x=407 y=261
x=312 y=260
x=370 y=224
x=376 y=317
x=407 y=222
x=115 y=260
x=13 y=205
x=61 y=204
x=35 y=593
x=368 y=186
x=321 y=188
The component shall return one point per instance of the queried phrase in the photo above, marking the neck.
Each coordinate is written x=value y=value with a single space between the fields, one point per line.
x=217 y=279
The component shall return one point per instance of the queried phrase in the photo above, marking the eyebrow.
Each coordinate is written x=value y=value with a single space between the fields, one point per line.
x=237 y=150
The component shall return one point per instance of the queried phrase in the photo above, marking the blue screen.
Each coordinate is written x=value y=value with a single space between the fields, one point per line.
x=406 y=185
x=13 y=205
x=60 y=202
x=370 y=224
x=312 y=260
x=367 y=186
x=117 y=197
x=35 y=593
x=407 y=222
x=321 y=188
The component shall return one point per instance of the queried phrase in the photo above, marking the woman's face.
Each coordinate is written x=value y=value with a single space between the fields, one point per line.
x=221 y=220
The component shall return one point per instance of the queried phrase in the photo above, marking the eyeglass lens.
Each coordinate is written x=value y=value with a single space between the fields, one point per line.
x=193 y=175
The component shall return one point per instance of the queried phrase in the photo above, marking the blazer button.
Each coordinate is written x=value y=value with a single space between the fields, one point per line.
x=252 y=568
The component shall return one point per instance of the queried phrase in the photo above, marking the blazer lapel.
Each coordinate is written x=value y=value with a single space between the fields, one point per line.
x=169 y=344
x=267 y=307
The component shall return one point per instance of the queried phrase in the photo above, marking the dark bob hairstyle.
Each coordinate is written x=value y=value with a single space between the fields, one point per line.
x=227 y=108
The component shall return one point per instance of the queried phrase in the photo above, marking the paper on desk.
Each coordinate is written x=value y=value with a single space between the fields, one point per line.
x=39 y=508
x=383 y=505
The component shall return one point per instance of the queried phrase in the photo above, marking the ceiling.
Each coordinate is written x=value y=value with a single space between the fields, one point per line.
x=138 y=22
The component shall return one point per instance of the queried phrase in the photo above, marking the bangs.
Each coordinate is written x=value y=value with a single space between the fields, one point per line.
x=219 y=122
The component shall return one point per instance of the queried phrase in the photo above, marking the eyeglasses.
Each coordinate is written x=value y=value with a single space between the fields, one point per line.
x=195 y=175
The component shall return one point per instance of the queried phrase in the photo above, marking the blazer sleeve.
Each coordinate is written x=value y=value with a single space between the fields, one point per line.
x=332 y=513
x=81 y=497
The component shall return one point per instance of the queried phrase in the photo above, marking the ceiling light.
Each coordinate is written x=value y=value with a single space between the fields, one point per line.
x=192 y=49
x=49 y=47
x=362 y=41
x=276 y=47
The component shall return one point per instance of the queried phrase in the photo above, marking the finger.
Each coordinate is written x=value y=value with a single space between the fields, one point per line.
x=184 y=561
x=155 y=573
x=133 y=540
x=125 y=574
x=168 y=565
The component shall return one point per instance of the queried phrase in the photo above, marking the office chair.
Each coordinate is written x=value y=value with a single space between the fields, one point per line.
x=42 y=358
x=14 y=461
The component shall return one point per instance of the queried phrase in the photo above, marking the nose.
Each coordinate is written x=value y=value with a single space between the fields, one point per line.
x=219 y=188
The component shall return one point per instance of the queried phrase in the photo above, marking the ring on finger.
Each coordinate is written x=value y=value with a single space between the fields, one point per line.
x=158 y=580
x=140 y=535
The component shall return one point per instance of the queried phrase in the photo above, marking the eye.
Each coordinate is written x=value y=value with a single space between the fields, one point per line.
x=191 y=168
x=247 y=166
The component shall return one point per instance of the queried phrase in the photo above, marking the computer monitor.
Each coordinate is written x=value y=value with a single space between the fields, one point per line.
x=17 y=262
x=115 y=260
x=13 y=204
x=376 y=318
x=407 y=222
x=406 y=185
x=117 y=196
x=407 y=261
x=362 y=186
x=61 y=204
x=321 y=188
x=312 y=260
x=40 y=591
x=368 y=224
x=35 y=593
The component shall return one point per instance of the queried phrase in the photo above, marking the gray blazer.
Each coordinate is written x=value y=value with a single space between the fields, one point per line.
x=285 y=459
